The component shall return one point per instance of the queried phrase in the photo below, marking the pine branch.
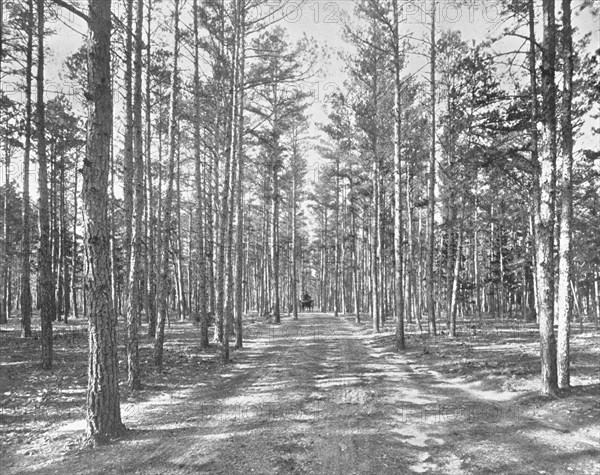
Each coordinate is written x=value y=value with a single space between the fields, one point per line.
x=72 y=9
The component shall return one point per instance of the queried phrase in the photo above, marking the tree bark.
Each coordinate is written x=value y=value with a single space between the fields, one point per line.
x=47 y=306
x=128 y=158
x=136 y=273
x=534 y=149
x=336 y=256
x=431 y=204
x=74 y=250
x=221 y=324
x=275 y=165
x=26 y=302
x=355 y=257
x=275 y=240
x=103 y=408
x=546 y=212
x=398 y=254
x=456 y=274
x=294 y=209
x=4 y=278
x=200 y=242
x=165 y=282
x=151 y=215
x=566 y=215
x=597 y=299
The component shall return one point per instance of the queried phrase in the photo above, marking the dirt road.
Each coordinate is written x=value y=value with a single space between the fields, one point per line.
x=320 y=395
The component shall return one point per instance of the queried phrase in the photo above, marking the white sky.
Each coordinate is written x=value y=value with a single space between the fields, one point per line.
x=476 y=20
x=322 y=20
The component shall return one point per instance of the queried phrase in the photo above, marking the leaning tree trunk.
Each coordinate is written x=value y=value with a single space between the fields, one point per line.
x=566 y=216
x=103 y=408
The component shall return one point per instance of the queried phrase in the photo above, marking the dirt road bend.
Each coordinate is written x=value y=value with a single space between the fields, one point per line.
x=321 y=395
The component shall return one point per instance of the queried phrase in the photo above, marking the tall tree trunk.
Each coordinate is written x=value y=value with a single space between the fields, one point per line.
x=47 y=307
x=136 y=274
x=411 y=290
x=3 y=315
x=176 y=241
x=178 y=248
x=546 y=212
x=239 y=266
x=221 y=269
x=113 y=229
x=151 y=215
x=456 y=273
x=534 y=148
x=212 y=197
x=26 y=303
x=54 y=231
x=355 y=250
x=336 y=256
x=431 y=204
x=343 y=255
x=229 y=287
x=241 y=78
x=2 y=36
x=294 y=209
x=168 y=201
x=200 y=215
x=597 y=299
x=275 y=165
x=566 y=215
x=4 y=280
x=103 y=408
x=398 y=277
x=74 y=249
x=476 y=270
x=275 y=241
x=128 y=159
x=375 y=262
x=64 y=262
x=419 y=292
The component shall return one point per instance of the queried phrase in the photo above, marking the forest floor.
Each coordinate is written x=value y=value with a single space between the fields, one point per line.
x=319 y=395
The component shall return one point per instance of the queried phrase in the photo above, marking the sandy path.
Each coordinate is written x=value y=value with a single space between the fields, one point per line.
x=318 y=396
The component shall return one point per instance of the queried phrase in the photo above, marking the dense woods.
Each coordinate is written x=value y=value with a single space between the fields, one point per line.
x=175 y=179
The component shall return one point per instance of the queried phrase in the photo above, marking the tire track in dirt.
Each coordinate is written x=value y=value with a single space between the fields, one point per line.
x=322 y=395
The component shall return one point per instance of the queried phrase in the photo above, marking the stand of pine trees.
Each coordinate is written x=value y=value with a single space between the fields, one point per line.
x=174 y=179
